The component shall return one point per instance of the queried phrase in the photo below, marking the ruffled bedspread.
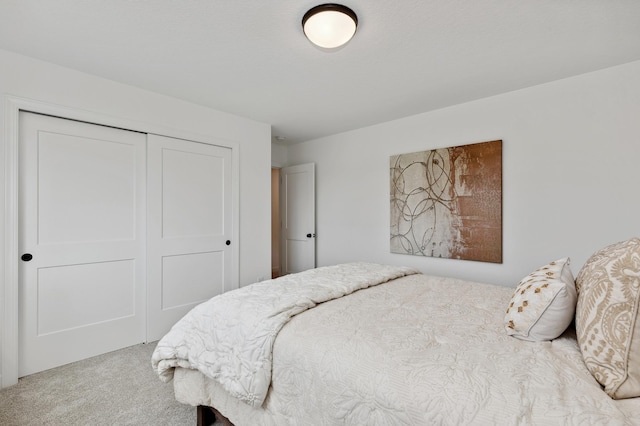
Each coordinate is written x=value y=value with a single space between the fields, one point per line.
x=230 y=337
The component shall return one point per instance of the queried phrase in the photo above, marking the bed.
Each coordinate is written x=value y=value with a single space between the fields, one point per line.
x=403 y=348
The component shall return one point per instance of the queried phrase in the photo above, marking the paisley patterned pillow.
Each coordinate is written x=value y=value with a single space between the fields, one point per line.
x=607 y=317
x=543 y=304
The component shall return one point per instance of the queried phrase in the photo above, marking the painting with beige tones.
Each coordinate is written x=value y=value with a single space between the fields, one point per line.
x=448 y=202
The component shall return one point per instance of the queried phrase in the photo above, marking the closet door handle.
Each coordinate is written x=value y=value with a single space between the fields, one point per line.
x=26 y=257
x=228 y=242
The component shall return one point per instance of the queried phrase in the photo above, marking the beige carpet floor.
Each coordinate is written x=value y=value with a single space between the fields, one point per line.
x=118 y=388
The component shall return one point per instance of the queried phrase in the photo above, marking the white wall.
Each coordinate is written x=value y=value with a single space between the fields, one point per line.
x=278 y=155
x=44 y=82
x=571 y=169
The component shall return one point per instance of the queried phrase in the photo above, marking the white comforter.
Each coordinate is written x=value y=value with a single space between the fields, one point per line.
x=230 y=337
x=418 y=350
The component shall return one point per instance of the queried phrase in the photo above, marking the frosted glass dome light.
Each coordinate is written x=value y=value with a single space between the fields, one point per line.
x=329 y=25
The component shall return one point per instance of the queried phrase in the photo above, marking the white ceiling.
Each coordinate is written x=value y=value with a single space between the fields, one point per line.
x=250 y=57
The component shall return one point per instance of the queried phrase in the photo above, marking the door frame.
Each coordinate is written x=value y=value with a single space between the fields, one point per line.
x=10 y=280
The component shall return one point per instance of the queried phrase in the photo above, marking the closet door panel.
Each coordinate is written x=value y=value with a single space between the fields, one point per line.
x=82 y=219
x=189 y=224
x=81 y=181
x=187 y=176
x=94 y=293
x=190 y=278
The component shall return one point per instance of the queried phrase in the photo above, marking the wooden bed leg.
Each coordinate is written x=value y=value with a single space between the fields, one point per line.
x=208 y=415
x=205 y=416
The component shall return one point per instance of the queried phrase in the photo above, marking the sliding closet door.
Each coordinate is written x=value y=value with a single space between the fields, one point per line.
x=189 y=228
x=82 y=241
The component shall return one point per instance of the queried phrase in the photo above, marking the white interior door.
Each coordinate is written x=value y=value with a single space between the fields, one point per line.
x=82 y=215
x=298 y=212
x=189 y=228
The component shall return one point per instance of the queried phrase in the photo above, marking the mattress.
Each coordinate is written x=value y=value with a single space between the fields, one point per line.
x=413 y=351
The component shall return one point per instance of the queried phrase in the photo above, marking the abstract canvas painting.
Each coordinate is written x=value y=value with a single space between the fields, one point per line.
x=448 y=202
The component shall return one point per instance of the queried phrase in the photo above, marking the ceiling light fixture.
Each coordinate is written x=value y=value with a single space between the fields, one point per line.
x=329 y=25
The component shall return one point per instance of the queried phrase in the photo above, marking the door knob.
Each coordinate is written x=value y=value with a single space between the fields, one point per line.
x=228 y=242
x=308 y=235
x=26 y=257
x=311 y=235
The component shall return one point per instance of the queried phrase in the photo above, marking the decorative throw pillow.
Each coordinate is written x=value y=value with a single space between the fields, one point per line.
x=543 y=304
x=607 y=317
